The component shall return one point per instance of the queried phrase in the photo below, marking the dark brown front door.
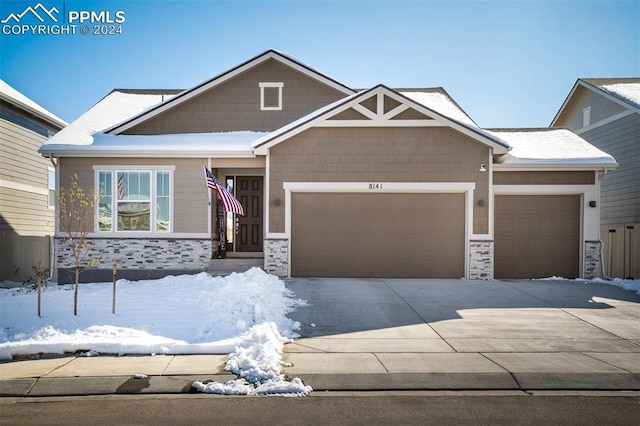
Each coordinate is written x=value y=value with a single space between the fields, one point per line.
x=249 y=191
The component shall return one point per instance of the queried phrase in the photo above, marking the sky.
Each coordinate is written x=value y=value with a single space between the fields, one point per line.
x=507 y=63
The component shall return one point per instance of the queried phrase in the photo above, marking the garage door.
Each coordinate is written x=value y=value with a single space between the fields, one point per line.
x=537 y=236
x=377 y=235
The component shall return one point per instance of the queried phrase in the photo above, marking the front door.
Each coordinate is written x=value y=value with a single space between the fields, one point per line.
x=249 y=191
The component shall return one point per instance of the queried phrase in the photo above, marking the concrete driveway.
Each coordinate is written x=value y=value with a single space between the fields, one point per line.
x=538 y=334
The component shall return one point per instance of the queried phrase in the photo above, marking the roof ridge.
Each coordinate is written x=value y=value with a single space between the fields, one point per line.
x=147 y=91
x=603 y=81
x=524 y=129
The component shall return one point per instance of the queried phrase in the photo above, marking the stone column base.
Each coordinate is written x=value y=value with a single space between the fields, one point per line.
x=276 y=256
x=592 y=261
x=480 y=260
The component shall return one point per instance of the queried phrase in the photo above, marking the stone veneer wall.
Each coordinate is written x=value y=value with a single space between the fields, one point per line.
x=481 y=260
x=592 y=261
x=140 y=253
x=276 y=257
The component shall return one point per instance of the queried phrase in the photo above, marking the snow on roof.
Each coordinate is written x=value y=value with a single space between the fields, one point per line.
x=114 y=108
x=22 y=101
x=440 y=102
x=237 y=143
x=628 y=91
x=550 y=147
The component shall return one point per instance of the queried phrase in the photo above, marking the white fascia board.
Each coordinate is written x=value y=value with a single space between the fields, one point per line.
x=220 y=79
x=77 y=153
x=552 y=167
x=565 y=103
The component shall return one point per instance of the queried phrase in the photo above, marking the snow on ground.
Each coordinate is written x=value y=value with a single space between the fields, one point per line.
x=243 y=315
x=632 y=285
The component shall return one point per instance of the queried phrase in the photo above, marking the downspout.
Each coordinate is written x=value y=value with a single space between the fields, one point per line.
x=602 y=267
x=55 y=221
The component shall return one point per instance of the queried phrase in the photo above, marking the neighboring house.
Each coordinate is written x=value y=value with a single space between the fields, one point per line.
x=606 y=112
x=334 y=181
x=27 y=185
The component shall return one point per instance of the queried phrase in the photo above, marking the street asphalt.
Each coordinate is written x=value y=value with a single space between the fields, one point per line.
x=401 y=334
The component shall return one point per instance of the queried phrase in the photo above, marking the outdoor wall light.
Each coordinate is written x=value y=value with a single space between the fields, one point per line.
x=483 y=167
x=592 y=203
x=481 y=203
x=276 y=202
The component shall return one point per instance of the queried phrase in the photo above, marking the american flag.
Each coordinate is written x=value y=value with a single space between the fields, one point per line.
x=229 y=202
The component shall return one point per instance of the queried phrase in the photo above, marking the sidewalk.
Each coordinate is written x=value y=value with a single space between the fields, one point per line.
x=368 y=335
x=337 y=364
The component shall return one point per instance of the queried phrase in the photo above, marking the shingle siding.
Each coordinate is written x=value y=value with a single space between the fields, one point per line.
x=235 y=104
x=378 y=155
x=189 y=192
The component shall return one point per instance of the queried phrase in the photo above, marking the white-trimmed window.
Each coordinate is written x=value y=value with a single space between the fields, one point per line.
x=586 y=116
x=134 y=199
x=271 y=96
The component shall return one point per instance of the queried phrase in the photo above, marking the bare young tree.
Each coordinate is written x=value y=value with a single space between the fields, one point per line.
x=75 y=213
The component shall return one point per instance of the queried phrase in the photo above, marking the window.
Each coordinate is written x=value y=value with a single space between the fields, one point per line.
x=134 y=200
x=52 y=188
x=586 y=116
x=271 y=96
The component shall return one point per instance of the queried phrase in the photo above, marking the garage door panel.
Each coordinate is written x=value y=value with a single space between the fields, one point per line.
x=537 y=236
x=378 y=235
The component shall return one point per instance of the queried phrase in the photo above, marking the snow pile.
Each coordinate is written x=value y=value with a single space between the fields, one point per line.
x=187 y=314
x=632 y=285
x=257 y=360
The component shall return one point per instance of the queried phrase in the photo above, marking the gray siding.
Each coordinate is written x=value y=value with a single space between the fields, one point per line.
x=26 y=221
x=235 y=104
x=620 y=190
x=189 y=192
x=601 y=108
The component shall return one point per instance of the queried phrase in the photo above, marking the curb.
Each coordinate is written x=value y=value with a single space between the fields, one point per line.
x=128 y=385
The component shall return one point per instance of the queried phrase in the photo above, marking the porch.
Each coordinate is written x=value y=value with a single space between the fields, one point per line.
x=230 y=265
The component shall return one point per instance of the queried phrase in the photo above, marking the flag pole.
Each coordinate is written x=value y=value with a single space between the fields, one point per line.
x=206 y=187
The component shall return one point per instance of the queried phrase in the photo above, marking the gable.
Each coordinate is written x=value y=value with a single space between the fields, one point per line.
x=142 y=121
x=377 y=107
x=235 y=104
x=599 y=108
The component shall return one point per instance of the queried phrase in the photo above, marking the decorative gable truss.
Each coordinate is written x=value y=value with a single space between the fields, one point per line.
x=381 y=110
x=376 y=107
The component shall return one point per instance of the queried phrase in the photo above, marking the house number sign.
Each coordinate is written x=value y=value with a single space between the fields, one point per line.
x=375 y=186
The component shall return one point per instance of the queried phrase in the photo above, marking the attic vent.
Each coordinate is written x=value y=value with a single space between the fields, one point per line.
x=271 y=96
x=586 y=116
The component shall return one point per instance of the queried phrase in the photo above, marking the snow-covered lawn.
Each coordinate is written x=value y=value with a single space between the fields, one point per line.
x=244 y=315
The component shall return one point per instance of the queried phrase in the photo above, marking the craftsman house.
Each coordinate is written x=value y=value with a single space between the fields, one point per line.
x=334 y=181
x=606 y=113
